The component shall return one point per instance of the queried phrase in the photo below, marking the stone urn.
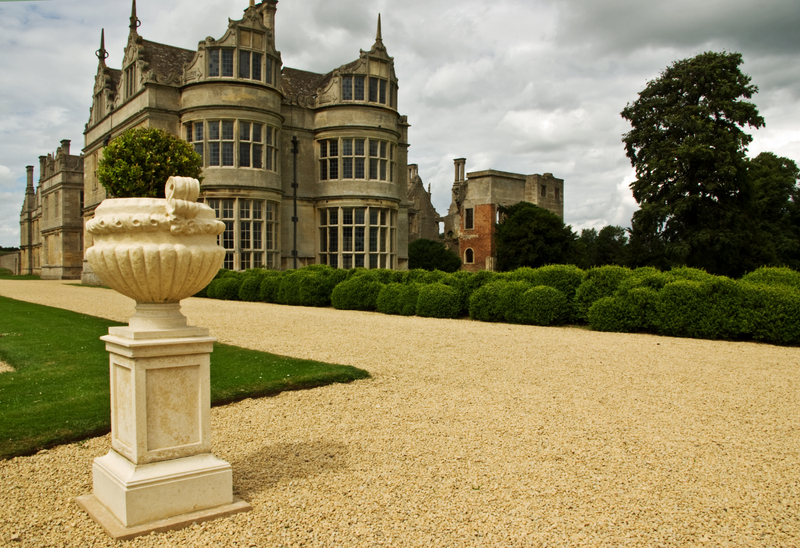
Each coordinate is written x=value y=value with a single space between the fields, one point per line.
x=156 y=251
x=160 y=473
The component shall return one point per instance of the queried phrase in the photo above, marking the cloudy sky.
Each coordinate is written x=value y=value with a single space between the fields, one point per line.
x=527 y=86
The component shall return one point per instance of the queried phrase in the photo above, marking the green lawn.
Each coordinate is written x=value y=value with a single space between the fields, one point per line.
x=6 y=274
x=59 y=392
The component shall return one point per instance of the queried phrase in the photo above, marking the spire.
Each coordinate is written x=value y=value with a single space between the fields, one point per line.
x=252 y=3
x=378 y=37
x=102 y=54
x=135 y=23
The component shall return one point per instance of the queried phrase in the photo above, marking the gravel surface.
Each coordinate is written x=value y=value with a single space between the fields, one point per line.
x=468 y=434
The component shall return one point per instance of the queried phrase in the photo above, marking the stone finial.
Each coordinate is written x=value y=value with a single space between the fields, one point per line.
x=65 y=147
x=102 y=54
x=135 y=23
x=379 y=36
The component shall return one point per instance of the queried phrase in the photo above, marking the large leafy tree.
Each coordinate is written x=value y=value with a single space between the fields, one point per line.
x=432 y=255
x=609 y=246
x=776 y=205
x=529 y=235
x=688 y=147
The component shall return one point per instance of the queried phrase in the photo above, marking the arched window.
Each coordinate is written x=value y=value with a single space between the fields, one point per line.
x=469 y=256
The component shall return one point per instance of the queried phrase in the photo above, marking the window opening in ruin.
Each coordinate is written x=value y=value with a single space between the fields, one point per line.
x=558 y=194
x=469 y=256
x=544 y=191
x=469 y=218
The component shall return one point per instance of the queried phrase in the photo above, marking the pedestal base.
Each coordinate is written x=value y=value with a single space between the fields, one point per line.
x=117 y=531
x=161 y=495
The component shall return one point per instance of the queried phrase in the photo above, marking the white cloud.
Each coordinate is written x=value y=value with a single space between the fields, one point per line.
x=528 y=86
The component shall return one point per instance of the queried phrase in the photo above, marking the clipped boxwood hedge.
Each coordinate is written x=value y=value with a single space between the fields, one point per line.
x=388 y=299
x=712 y=309
x=773 y=276
x=773 y=313
x=438 y=301
x=539 y=305
x=599 y=282
x=356 y=293
x=268 y=288
x=490 y=302
x=407 y=299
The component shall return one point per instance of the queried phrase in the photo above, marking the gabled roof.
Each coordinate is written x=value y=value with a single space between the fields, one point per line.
x=115 y=75
x=301 y=83
x=166 y=60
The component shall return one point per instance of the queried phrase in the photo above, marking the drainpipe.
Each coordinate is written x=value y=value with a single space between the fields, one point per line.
x=295 y=152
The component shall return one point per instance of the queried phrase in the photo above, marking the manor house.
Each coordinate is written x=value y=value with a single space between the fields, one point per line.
x=268 y=133
x=303 y=168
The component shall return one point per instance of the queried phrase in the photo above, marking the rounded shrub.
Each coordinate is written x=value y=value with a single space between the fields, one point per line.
x=773 y=313
x=438 y=301
x=408 y=298
x=383 y=275
x=712 y=309
x=309 y=286
x=599 y=282
x=211 y=289
x=315 y=287
x=289 y=288
x=387 y=301
x=645 y=301
x=356 y=293
x=613 y=314
x=539 y=305
x=458 y=281
x=564 y=277
x=773 y=276
x=689 y=273
x=137 y=163
x=415 y=275
x=490 y=302
x=227 y=288
x=268 y=288
x=250 y=289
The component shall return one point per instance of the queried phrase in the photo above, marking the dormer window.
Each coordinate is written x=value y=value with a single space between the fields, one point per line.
x=353 y=88
x=250 y=61
x=379 y=90
x=225 y=68
x=249 y=65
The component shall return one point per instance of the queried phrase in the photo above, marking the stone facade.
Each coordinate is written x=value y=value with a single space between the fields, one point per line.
x=474 y=210
x=243 y=111
x=423 y=220
x=51 y=224
x=11 y=261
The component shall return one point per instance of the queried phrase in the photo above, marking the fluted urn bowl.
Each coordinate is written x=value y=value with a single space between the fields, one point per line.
x=156 y=250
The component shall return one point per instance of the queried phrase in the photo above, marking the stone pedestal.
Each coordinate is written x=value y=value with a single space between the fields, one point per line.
x=160 y=473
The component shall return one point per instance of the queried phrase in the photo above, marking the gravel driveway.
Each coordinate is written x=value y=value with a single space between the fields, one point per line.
x=468 y=434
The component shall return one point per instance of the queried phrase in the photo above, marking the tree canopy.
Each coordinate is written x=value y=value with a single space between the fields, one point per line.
x=688 y=147
x=608 y=246
x=529 y=235
x=432 y=255
x=137 y=163
x=776 y=208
